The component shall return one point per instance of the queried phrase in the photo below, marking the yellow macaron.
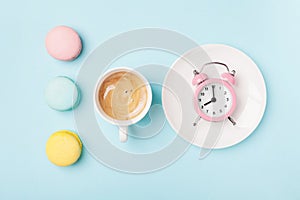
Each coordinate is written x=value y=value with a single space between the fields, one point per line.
x=63 y=148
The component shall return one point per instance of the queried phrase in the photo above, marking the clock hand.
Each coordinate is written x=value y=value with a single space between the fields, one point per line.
x=207 y=103
x=213 y=99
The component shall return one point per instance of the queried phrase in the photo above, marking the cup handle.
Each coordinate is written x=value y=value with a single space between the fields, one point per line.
x=123 y=133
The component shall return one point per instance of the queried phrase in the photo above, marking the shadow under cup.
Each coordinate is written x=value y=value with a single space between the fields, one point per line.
x=122 y=97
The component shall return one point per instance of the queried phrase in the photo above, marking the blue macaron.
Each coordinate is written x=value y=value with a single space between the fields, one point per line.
x=62 y=94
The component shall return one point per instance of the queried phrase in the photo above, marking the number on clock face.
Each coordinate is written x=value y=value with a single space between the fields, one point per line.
x=215 y=99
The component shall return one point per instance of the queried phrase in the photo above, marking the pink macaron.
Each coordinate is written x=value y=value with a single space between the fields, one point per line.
x=63 y=43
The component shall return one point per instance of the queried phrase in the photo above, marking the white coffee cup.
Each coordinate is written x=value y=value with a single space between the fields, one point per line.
x=122 y=124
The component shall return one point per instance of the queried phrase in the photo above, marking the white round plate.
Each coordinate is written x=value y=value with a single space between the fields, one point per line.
x=250 y=91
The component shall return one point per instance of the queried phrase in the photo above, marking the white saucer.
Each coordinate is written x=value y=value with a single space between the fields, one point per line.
x=250 y=90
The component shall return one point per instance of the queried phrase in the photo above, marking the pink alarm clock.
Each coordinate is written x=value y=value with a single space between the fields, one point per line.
x=214 y=98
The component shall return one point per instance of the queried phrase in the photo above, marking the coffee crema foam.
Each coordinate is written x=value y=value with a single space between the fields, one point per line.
x=123 y=95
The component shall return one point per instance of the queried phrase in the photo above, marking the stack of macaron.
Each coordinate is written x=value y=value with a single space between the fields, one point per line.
x=63 y=147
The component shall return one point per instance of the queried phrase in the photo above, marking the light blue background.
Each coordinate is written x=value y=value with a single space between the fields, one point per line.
x=265 y=166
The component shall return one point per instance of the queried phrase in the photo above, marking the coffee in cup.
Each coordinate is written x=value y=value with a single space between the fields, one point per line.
x=123 y=97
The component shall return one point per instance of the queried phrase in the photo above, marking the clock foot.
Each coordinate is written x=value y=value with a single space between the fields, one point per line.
x=196 y=121
x=232 y=121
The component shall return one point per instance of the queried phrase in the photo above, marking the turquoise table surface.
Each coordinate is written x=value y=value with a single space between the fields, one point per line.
x=265 y=166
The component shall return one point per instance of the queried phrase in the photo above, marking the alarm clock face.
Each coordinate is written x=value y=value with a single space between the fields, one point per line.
x=215 y=100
